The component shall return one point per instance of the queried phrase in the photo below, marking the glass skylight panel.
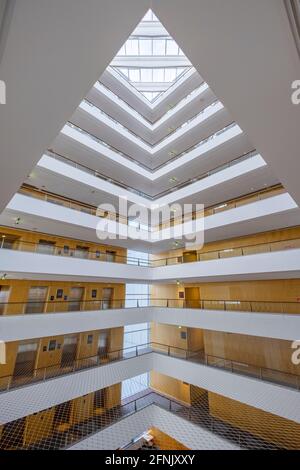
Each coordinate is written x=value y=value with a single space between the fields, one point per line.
x=149 y=16
x=158 y=75
x=171 y=47
x=145 y=47
x=170 y=75
x=159 y=47
x=134 y=75
x=132 y=47
x=150 y=47
x=146 y=75
x=151 y=59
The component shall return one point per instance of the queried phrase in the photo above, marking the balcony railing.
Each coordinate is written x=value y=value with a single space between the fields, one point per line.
x=64 y=306
x=240 y=250
x=79 y=427
x=25 y=377
x=195 y=215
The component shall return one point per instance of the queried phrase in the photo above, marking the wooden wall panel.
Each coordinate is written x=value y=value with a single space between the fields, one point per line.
x=38 y=426
x=247 y=240
x=271 y=428
x=19 y=290
x=170 y=387
x=262 y=352
x=113 y=396
x=34 y=237
x=164 y=441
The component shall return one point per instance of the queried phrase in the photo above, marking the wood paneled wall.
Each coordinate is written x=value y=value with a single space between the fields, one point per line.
x=19 y=290
x=247 y=240
x=279 y=290
x=269 y=427
x=170 y=387
x=72 y=243
x=164 y=441
x=46 y=358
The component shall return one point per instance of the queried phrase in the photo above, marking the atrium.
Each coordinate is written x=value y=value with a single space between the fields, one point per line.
x=149 y=225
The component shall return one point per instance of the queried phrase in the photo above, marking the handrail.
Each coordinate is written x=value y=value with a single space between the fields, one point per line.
x=194 y=215
x=202 y=254
x=152 y=123
x=181 y=126
x=196 y=413
x=63 y=306
x=96 y=173
x=98 y=255
x=285 y=379
x=59 y=250
x=126 y=80
x=193 y=147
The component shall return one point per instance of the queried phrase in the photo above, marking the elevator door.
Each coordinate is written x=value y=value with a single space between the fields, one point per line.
x=62 y=413
x=25 y=360
x=99 y=398
x=110 y=256
x=189 y=256
x=192 y=297
x=8 y=241
x=75 y=298
x=107 y=296
x=37 y=296
x=103 y=342
x=46 y=247
x=69 y=350
x=81 y=252
x=4 y=295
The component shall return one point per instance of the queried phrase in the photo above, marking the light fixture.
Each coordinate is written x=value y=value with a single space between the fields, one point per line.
x=17 y=220
x=178 y=282
x=173 y=179
x=180 y=327
x=4 y=276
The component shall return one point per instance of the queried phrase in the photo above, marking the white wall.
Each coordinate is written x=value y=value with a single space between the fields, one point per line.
x=268 y=325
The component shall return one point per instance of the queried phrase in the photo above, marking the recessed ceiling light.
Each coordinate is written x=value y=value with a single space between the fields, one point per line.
x=173 y=179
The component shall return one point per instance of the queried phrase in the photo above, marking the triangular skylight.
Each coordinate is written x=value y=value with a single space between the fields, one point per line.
x=150 y=59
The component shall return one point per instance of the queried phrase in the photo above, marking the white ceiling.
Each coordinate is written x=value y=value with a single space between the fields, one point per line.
x=94 y=160
x=48 y=63
x=246 y=52
x=250 y=178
